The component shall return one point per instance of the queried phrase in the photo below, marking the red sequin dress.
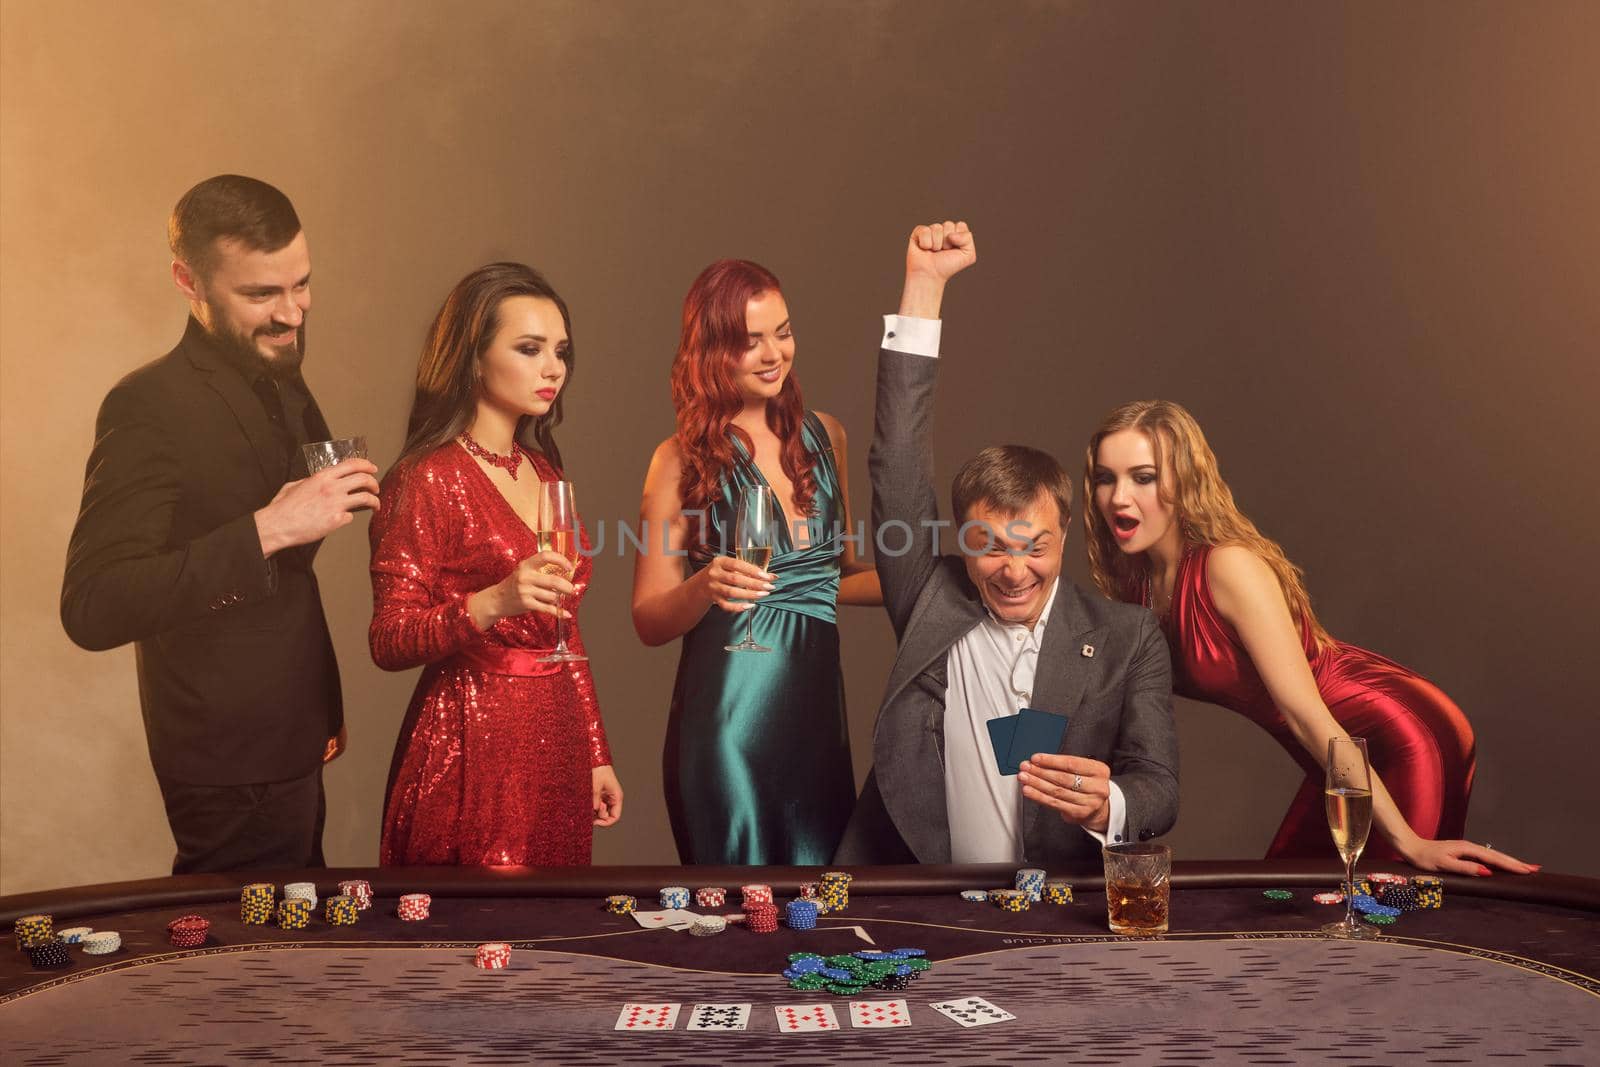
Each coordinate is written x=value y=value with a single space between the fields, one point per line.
x=1418 y=740
x=493 y=762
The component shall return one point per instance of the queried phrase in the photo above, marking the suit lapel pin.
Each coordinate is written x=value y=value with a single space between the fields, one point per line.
x=1088 y=652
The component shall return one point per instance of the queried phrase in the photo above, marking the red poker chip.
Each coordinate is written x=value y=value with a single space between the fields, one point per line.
x=1329 y=898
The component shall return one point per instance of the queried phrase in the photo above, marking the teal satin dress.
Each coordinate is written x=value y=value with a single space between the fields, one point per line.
x=757 y=761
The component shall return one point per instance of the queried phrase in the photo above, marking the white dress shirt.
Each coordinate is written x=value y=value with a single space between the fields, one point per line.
x=989 y=674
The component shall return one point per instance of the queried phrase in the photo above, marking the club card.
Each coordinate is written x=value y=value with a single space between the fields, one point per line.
x=875 y=1014
x=805 y=1018
x=1001 y=731
x=1036 y=731
x=719 y=1017
x=647 y=1017
x=972 y=1011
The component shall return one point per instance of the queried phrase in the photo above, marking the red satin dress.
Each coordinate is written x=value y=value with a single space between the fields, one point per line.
x=493 y=761
x=1419 y=742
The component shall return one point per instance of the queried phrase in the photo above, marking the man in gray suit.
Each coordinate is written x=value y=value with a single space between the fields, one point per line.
x=993 y=629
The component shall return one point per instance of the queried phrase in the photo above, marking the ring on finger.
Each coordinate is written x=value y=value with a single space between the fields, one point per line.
x=1077 y=782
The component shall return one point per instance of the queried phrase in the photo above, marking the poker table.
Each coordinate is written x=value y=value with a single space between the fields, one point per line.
x=1508 y=968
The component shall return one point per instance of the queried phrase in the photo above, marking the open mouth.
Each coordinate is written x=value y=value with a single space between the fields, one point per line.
x=1015 y=596
x=1124 y=526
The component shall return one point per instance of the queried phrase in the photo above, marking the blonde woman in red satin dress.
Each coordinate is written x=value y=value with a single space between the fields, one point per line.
x=501 y=759
x=1164 y=531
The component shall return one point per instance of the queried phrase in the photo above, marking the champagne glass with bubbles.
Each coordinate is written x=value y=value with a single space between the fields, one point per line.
x=558 y=532
x=753 y=533
x=1347 y=795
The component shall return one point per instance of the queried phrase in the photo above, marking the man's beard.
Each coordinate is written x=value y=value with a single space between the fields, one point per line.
x=285 y=365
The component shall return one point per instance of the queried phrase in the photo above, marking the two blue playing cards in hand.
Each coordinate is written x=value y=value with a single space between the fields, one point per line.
x=1019 y=737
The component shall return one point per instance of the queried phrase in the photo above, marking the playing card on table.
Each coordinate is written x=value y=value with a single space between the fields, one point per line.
x=719 y=1017
x=869 y=1014
x=805 y=1018
x=676 y=919
x=972 y=1011
x=647 y=1017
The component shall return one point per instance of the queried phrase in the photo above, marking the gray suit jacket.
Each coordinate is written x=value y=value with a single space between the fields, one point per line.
x=1118 y=701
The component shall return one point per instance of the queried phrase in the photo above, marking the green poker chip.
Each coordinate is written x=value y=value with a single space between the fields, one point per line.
x=1278 y=894
x=1379 y=920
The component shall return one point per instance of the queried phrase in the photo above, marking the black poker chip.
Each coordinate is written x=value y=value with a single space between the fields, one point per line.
x=50 y=954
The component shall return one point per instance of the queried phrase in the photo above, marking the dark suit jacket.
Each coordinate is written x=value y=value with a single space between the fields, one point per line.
x=237 y=677
x=1118 y=701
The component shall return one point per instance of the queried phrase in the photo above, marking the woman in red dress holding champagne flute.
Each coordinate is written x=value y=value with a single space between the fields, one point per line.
x=1164 y=531
x=476 y=576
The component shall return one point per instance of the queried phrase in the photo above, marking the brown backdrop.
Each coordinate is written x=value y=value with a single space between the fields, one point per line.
x=1358 y=241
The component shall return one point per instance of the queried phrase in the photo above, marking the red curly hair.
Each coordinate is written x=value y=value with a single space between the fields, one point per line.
x=706 y=394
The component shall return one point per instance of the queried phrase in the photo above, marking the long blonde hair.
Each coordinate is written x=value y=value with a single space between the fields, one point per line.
x=1201 y=501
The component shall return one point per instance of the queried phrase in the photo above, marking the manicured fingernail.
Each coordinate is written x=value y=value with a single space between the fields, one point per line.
x=1537 y=866
x=1484 y=872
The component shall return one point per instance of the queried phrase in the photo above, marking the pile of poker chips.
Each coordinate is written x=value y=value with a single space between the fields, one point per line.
x=494 y=956
x=708 y=925
x=340 y=910
x=1058 y=892
x=414 y=906
x=848 y=976
x=301 y=891
x=1402 y=896
x=1430 y=890
x=711 y=896
x=755 y=894
x=255 y=903
x=101 y=942
x=810 y=890
x=761 y=918
x=1031 y=881
x=188 y=931
x=674 y=897
x=294 y=914
x=360 y=889
x=1011 y=899
x=74 y=935
x=835 y=891
x=31 y=930
x=49 y=953
x=801 y=914
x=621 y=904
x=975 y=896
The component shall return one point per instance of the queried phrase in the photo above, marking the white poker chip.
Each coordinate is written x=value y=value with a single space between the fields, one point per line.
x=72 y=935
x=976 y=896
x=101 y=942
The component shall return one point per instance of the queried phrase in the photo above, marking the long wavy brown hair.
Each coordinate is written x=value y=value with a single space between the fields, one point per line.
x=706 y=394
x=447 y=374
x=1200 y=499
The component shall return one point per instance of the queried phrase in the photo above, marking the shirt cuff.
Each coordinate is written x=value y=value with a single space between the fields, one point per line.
x=915 y=337
x=1117 y=824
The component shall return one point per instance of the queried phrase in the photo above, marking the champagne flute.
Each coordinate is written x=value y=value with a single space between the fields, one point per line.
x=753 y=534
x=1348 y=797
x=558 y=532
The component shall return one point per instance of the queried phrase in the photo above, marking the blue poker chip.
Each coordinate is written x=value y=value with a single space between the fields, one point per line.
x=1362 y=901
x=806 y=966
x=838 y=974
x=870 y=954
x=902 y=971
x=909 y=952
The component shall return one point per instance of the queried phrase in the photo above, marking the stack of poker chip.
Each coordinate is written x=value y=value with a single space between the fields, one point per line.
x=1430 y=891
x=761 y=918
x=188 y=931
x=708 y=925
x=711 y=896
x=1402 y=896
x=975 y=896
x=810 y=890
x=674 y=897
x=1012 y=899
x=850 y=975
x=294 y=914
x=31 y=930
x=801 y=914
x=340 y=910
x=1364 y=885
x=1058 y=892
x=102 y=942
x=301 y=891
x=494 y=956
x=621 y=904
x=414 y=906
x=255 y=903
x=835 y=891
x=755 y=894
x=1368 y=906
x=74 y=935
x=360 y=889
x=1031 y=881
x=49 y=953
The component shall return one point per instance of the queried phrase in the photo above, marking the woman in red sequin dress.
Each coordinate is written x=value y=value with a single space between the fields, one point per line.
x=501 y=759
x=1164 y=531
